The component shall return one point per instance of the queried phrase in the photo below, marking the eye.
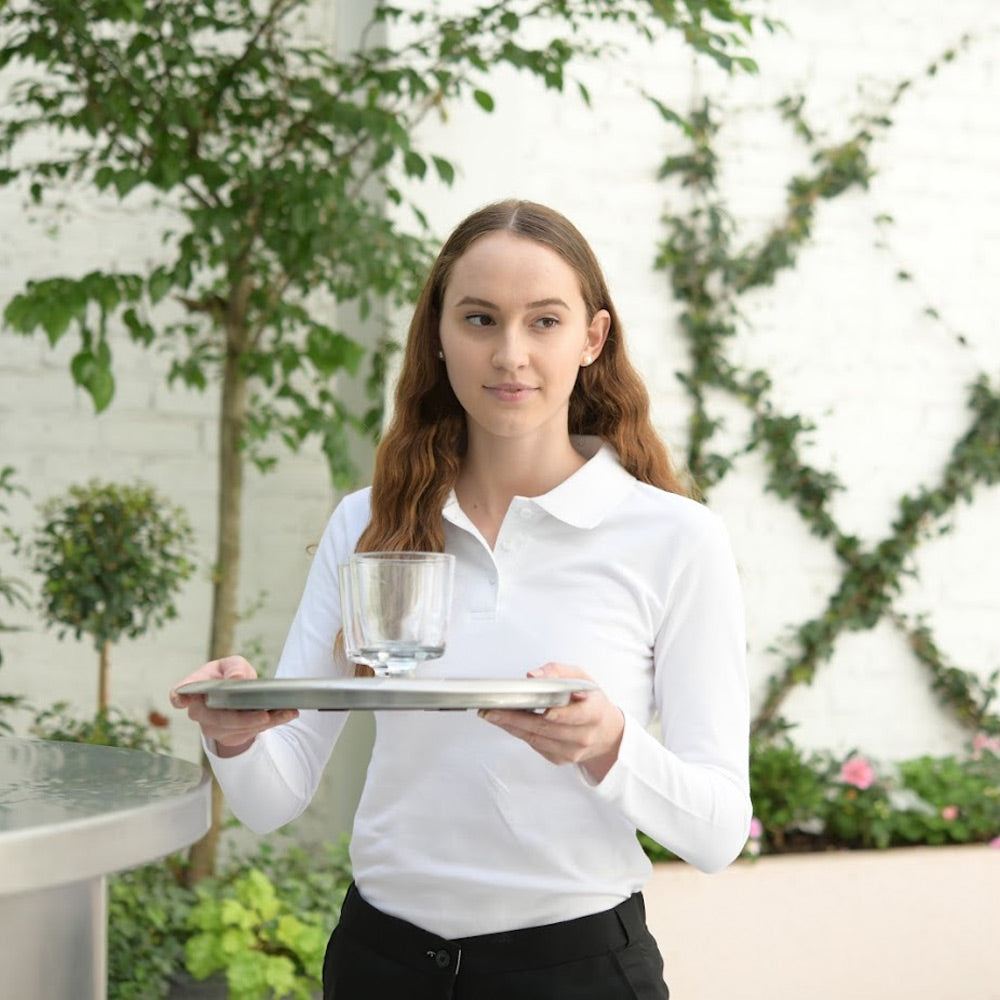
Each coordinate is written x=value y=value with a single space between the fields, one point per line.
x=547 y=322
x=479 y=319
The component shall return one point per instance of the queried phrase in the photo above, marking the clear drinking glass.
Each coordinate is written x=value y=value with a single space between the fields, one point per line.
x=399 y=607
x=348 y=626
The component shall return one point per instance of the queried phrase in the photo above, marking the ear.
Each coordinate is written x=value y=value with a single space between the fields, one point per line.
x=597 y=335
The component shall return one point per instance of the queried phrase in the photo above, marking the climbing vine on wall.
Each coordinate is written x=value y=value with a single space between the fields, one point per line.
x=709 y=273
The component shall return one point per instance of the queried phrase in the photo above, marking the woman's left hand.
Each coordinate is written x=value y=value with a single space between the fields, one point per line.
x=587 y=731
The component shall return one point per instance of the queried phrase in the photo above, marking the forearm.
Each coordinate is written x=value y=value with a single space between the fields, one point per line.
x=699 y=810
x=272 y=780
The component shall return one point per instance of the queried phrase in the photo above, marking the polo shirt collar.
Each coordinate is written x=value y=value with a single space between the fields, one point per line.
x=585 y=498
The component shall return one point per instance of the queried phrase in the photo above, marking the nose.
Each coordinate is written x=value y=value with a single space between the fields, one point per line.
x=511 y=349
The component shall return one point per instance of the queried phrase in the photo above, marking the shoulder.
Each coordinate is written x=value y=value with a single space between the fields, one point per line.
x=355 y=507
x=348 y=520
x=671 y=527
x=673 y=509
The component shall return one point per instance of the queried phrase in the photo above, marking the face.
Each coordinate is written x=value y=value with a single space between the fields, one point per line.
x=515 y=332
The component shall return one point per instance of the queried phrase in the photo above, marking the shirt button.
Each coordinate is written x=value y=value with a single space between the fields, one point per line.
x=442 y=959
x=526 y=513
x=493 y=579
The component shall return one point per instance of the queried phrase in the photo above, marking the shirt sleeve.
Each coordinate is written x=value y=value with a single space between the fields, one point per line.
x=691 y=792
x=273 y=781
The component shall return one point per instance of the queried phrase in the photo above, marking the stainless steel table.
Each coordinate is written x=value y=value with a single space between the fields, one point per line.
x=70 y=815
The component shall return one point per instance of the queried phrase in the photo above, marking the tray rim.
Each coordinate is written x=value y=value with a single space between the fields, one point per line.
x=387 y=693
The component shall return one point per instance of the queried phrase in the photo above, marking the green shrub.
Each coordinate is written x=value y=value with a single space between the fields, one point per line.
x=818 y=801
x=787 y=788
x=248 y=931
x=147 y=927
x=263 y=922
x=110 y=727
x=13 y=591
x=964 y=796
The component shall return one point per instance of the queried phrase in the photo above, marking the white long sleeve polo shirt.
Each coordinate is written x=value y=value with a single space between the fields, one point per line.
x=463 y=829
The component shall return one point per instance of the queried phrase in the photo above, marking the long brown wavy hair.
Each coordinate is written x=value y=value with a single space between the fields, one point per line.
x=418 y=459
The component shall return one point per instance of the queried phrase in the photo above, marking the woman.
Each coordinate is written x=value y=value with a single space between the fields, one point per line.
x=495 y=855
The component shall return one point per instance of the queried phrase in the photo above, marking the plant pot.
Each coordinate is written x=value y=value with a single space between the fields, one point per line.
x=186 y=987
x=921 y=923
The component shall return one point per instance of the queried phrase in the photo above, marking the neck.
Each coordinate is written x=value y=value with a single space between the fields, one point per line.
x=493 y=474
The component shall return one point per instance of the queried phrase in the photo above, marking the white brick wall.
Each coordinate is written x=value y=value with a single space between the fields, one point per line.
x=846 y=343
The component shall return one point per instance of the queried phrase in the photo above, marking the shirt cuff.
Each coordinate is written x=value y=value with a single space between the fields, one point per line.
x=217 y=761
x=610 y=786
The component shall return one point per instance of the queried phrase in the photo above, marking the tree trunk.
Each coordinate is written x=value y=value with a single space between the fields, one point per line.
x=104 y=678
x=226 y=572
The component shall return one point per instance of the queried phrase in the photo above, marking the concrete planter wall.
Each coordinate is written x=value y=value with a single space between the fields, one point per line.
x=918 y=923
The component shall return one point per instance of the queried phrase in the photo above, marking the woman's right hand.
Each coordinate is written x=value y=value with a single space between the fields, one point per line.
x=232 y=731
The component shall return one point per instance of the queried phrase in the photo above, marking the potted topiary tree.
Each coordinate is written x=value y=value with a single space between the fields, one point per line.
x=113 y=558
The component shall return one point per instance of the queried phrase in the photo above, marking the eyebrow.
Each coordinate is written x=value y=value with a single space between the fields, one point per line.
x=470 y=300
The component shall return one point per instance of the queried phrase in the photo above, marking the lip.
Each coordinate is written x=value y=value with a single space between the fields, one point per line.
x=510 y=391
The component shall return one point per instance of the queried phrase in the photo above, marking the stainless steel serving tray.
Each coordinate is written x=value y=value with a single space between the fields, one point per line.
x=382 y=693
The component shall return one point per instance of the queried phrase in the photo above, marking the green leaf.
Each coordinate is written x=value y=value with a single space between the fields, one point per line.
x=158 y=284
x=126 y=180
x=671 y=116
x=101 y=387
x=484 y=100
x=201 y=956
x=139 y=331
x=331 y=351
x=55 y=321
x=444 y=169
x=82 y=368
x=103 y=177
x=414 y=164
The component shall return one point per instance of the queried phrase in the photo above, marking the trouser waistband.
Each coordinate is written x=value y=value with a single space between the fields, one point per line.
x=524 y=949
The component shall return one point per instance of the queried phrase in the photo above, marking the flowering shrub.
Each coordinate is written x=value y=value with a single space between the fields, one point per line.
x=858 y=772
x=819 y=802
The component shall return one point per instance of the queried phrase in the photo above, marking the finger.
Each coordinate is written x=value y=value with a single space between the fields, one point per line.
x=234 y=668
x=226 y=668
x=580 y=710
x=552 y=669
x=231 y=728
x=178 y=700
x=513 y=720
x=549 y=740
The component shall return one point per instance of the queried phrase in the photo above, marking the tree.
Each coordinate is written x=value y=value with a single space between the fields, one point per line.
x=278 y=160
x=113 y=558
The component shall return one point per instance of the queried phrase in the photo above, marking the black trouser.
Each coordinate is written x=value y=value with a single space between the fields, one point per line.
x=605 y=956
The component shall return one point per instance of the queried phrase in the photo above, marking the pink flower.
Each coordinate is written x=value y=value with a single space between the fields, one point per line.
x=756 y=829
x=753 y=848
x=981 y=742
x=858 y=772
x=995 y=842
x=949 y=813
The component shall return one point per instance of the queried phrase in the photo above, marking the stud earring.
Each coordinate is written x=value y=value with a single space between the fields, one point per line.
x=441 y=355
x=587 y=359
